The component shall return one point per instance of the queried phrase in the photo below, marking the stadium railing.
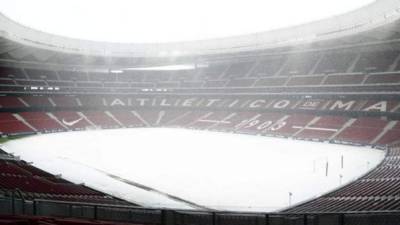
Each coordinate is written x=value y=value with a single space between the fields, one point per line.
x=137 y=215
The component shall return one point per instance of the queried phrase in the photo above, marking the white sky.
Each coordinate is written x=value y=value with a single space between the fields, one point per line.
x=148 y=21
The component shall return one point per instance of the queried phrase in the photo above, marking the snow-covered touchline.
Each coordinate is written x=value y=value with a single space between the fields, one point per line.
x=144 y=187
x=316 y=128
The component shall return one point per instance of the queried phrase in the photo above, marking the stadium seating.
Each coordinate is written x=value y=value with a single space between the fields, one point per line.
x=33 y=183
x=334 y=68
x=9 y=124
x=340 y=129
x=64 y=101
x=267 y=67
x=72 y=120
x=36 y=101
x=377 y=61
x=128 y=118
x=101 y=119
x=11 y=102
x=41 y=121
x=376 y=191
x=27 y=220
x=318 y=92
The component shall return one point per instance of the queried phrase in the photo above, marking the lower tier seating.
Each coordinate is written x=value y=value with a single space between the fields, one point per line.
x=41 y=220
x=340 y=129
x=33 y=183
x=376 y=191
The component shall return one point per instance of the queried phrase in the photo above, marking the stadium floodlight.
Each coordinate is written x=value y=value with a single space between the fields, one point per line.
x=116 y=71
x=169 y=67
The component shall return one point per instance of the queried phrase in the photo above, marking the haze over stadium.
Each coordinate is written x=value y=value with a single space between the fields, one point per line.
x=166 y=21
x=200 y=113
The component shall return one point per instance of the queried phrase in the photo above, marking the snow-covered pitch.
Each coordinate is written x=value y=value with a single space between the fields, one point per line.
x=186 y=169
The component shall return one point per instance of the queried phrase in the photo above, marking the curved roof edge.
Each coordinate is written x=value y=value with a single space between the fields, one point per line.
x=366 y=18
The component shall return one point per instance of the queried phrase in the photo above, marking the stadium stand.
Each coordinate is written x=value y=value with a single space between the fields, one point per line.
x=334 y=68
x=376 y=191
x=33 y=183
x=344 y=90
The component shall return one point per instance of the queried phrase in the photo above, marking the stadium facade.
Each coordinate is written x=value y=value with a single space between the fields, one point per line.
x=335 y=80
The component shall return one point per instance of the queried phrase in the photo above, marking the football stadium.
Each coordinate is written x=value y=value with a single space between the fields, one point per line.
x=287 y=124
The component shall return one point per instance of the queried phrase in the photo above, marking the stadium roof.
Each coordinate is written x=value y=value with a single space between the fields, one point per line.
x=367 y=18
x=155 y=21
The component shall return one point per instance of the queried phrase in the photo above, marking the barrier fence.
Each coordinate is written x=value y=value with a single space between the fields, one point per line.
x=17 y=206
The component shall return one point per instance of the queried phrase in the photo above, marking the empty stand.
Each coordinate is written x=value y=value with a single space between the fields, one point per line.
x=11 y=102
x=270 y=82
x=9 y=124
x=376 y=61
x=64 y=101
x=300 y=64
x=240 y=83
x=383 y=79
x=343 y=89
x=344 y=79
x=72 y=120
x=305 y=80
x=37 y=101
x=335 y=63
x=128 y=118
x=35 y=183
x=391 y=135
x=73 y=75
x=268 y=67
x=363 y=130
x=101 y=119
x=10 y=72
x=41 y=121
x=36 y=74
x=238 y=69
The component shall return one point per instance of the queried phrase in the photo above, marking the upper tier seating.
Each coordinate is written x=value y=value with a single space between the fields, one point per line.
x=335 y=63
x=9 y=72
x=72 y=75
x=301 y=64
x=267 y=67
x=37 y=101
x=341 y=70
x=36 y=74
x=11 y=102
x=238 y=70
x=378 y=61
x=344 y=79
x=64 y=101
x=383 y=78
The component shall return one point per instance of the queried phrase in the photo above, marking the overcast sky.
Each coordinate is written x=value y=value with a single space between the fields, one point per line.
x=168 y=20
